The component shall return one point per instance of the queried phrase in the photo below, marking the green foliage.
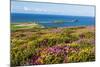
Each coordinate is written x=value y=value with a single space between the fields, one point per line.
x=20 y=55
x=74 y=45
x=87 y=35
x=52 y=59
x=82 y=56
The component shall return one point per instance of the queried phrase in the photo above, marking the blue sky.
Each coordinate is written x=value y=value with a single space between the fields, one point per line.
x=50 y=8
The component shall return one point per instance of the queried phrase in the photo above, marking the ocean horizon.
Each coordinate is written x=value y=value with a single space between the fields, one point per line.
x=48 y=20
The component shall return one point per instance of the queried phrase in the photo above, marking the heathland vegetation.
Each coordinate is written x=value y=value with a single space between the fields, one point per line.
x=32 y=44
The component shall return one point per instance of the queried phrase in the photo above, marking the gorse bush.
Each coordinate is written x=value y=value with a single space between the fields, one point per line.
x=20 y=55
x=82 y=56
x=87 y=35
x=51 y=59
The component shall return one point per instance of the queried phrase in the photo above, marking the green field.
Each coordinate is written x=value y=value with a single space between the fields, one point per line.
x=33 y=44
x=19 y=26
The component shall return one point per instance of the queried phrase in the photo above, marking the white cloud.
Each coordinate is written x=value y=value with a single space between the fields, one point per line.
x=26 y=8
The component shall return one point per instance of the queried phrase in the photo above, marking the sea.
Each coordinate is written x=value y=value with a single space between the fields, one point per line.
x=49 y=20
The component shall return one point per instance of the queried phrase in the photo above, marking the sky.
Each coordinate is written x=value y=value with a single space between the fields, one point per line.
x=51 y=8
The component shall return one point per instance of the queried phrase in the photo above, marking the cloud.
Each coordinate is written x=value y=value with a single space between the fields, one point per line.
x=26 y=8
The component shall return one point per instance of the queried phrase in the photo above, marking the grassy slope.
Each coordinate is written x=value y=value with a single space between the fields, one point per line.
x=19 y=26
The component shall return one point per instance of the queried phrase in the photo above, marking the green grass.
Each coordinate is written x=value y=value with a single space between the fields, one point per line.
x=15 y=27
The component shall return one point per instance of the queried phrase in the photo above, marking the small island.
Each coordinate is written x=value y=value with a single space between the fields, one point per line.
x=66 y=21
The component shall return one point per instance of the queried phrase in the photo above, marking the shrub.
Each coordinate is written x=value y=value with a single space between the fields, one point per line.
x=19 y=56
x=87 y=35
x=82 y=56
